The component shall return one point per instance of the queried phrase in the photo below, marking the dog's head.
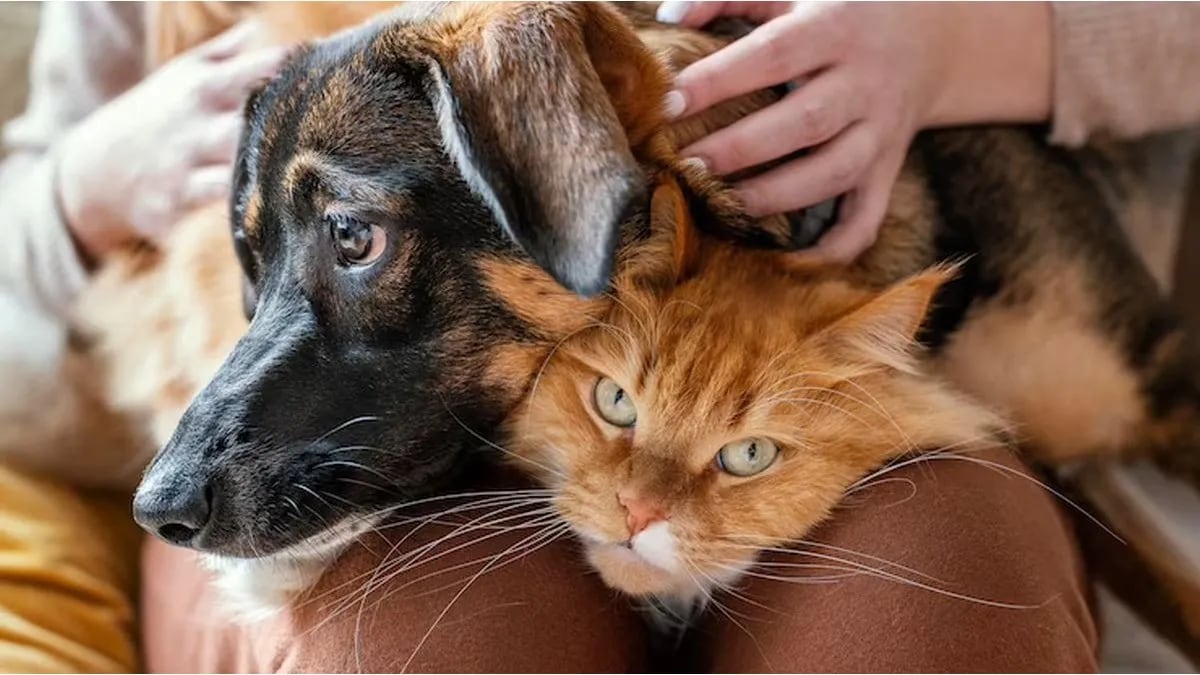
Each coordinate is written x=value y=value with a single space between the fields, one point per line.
x=392 y=185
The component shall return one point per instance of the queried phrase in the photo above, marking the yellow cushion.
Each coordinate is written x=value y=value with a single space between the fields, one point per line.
x=68 y=570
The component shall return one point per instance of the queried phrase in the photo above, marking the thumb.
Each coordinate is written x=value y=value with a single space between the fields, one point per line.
x=697 y=14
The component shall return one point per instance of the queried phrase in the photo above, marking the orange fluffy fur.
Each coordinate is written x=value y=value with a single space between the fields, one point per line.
x=740 y=347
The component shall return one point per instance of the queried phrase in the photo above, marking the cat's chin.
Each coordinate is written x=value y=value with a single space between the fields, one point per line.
x=629 y=572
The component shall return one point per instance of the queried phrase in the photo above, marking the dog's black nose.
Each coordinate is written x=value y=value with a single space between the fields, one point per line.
x=177 y=512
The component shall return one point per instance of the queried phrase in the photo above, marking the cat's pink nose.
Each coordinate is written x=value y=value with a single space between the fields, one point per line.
x=640 y=513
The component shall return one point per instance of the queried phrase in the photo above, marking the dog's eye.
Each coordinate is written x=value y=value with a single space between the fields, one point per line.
x=356 y=242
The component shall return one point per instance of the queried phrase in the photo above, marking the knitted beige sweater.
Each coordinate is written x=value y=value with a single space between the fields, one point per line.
x=1125 y=69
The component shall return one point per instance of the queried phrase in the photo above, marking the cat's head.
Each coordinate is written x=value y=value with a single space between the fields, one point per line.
x=726 y=404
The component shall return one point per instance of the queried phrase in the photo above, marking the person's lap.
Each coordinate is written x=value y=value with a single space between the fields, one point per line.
x=949 y=565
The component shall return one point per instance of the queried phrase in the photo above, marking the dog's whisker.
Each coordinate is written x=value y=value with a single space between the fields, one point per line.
x=449 y=605
x=355 y=465
x=484 y=499
x=319 y=498
x=412 y=558
x=496 y=446
x=347 y=424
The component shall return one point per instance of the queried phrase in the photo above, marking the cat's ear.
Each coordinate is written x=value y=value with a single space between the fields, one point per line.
x=884 y=330
x=672 y=252
x=539 y=105
x=670 y=213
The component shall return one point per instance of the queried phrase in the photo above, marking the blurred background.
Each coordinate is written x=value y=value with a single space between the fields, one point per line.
x=18 y=25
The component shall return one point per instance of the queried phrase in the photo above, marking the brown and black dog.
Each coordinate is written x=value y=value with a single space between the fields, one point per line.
x=425 y=205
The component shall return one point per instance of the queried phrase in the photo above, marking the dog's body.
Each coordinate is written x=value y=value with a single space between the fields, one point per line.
x=369 y=385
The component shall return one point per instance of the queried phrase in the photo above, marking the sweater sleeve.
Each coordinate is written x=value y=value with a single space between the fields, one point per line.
x=85 y=55
x=1126 y=69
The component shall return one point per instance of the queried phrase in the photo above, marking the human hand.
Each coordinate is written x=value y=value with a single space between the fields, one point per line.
x=869 y=76
x=132 y=168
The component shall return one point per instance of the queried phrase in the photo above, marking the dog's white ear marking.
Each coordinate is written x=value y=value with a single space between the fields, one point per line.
x=570 y=226
x=460 y=151
x=536 y=108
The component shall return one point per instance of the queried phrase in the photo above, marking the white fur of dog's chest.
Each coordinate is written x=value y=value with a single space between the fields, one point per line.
x=256 y=589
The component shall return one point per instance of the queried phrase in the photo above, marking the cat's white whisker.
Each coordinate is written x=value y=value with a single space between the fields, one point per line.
x=850 y=565
x=537 y=378
x=827 y=579
x=386 y=580
x=496 y=446
x=887 y=576
x=1026 y=477
x=482 y=499
x=729 y=614
x=877 y=406
x=387 y=571
x=838 y=549
x=729 y=587
x=410 y=559
x=489 y=560
x=449 y=605
x=629 y=312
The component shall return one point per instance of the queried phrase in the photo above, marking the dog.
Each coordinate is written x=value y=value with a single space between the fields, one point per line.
x=415 y=233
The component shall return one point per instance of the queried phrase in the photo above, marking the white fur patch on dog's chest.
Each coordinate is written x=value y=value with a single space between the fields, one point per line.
x=255 y=589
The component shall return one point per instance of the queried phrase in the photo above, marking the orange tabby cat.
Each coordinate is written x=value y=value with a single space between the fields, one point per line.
x=727 y=404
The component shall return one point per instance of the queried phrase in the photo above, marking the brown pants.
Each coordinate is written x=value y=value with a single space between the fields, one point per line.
x=980 y=536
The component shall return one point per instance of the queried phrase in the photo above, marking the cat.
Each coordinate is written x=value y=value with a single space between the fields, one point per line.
x=1050 y=297
x=727 y=402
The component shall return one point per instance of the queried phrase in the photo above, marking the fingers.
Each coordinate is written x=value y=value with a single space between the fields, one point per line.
x=788 y=47
x=810 y=115
x=697 y=14
x=234 y=78
x=835 y=168
x=862 y=215
x=206 y=185
x=219 y=142
x=689 y=14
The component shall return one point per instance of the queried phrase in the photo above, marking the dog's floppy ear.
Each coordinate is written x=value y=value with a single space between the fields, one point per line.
x=539 y=106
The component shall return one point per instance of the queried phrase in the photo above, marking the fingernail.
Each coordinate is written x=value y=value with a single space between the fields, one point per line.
x=673 y=11
x=674 y=104
x=698 y=163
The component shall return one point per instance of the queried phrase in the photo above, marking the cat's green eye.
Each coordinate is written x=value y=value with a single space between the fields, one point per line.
x=613 y=404
x=747 y=457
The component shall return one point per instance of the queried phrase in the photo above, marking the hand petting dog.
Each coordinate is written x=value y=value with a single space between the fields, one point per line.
x=868 y=77
x=136 y=166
